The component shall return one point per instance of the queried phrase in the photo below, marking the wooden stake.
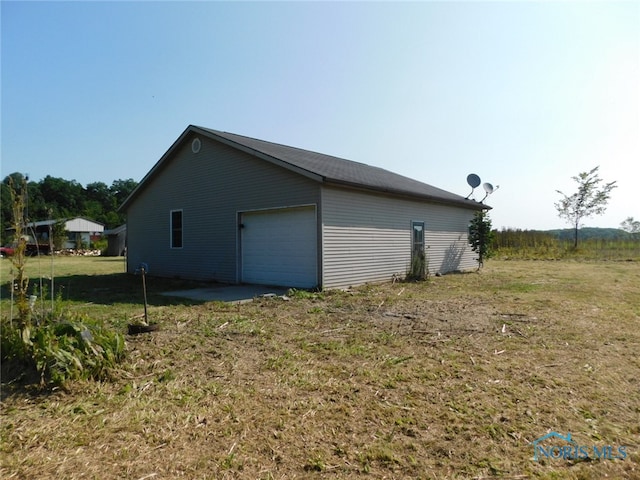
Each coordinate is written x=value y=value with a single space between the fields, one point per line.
x=144 y=289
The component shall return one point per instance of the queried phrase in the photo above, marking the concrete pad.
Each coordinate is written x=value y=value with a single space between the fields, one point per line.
x=228 y=293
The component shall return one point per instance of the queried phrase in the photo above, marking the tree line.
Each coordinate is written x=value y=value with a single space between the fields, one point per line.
x=56 y=198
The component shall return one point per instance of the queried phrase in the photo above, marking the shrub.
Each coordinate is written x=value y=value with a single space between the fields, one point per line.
x=57 y=345
x=71 y=348
x=101 y=245
x=419 y=268
x=481 y=236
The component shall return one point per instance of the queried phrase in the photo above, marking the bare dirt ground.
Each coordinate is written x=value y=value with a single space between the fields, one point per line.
x=450 y=378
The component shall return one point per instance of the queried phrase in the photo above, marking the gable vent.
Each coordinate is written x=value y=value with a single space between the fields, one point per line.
x=195 y=145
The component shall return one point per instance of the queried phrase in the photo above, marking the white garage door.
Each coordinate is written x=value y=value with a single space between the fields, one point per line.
x=279 y=247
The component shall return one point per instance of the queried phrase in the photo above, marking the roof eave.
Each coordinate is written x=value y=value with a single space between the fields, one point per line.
x=462 y=202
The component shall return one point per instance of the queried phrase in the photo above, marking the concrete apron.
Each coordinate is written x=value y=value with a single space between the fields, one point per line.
x=229 y=293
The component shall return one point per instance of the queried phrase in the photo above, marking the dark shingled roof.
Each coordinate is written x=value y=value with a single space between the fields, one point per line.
x=346 y=172
x=327 y=168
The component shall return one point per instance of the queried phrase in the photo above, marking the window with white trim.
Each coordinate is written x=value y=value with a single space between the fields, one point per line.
x=417 y=240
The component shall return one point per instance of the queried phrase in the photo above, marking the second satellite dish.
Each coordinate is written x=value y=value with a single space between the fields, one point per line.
x=489 y=189
x=474 y=180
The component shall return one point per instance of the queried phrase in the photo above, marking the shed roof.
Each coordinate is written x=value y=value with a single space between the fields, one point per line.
x=117 y=230
x=71 y=224
x=321 y=167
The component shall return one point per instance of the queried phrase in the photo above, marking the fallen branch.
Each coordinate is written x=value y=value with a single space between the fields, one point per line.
x=148 y=476
x=520 y=333
x=331 y=330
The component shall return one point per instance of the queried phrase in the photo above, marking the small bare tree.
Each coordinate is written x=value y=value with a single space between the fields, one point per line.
x=590 y=199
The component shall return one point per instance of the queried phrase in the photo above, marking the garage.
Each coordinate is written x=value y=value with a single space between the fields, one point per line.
x=279 y=247
x=310 y=220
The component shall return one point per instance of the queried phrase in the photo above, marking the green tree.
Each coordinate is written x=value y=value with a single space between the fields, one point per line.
x=631 y=226
x=5 y=211
x=56 y=198
x=99 y=202
x=481 y=236
x=58 y=234
x=121 y=189
x=65 y=198
x=36 y=208
x=590 y=199
x=100 y=192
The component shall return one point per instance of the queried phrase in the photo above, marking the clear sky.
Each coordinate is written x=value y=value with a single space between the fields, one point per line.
x=524 y=94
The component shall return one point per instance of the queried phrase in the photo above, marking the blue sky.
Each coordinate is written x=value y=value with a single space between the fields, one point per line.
x=524 y=94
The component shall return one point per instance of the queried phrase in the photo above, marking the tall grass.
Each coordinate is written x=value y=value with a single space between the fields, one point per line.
x=533 y=244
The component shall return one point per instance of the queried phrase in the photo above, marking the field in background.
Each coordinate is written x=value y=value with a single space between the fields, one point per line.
x=544 y=245
x=449 y=378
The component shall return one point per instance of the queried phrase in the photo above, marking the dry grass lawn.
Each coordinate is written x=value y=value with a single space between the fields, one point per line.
x=448 y=379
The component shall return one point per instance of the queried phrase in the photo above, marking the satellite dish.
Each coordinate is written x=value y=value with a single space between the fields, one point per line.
x=489 y=189
x=473 y=180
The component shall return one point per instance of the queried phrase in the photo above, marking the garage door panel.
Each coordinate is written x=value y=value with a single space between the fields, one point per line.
x=279 y=247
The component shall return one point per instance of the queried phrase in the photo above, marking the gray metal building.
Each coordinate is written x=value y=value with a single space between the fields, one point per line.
x=225 y=207
x=116 y=241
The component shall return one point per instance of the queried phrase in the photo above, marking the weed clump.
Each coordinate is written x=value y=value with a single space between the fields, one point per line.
x=70 y=348
x=56 y=345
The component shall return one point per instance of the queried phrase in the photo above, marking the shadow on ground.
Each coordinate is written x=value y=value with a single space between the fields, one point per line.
x=124 y=288
x=113 y=289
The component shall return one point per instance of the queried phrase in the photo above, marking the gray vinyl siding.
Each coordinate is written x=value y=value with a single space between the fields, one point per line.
x=367 y=237
x=210 y=187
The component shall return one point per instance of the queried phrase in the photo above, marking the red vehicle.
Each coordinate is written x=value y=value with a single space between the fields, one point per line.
x=30 y=250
